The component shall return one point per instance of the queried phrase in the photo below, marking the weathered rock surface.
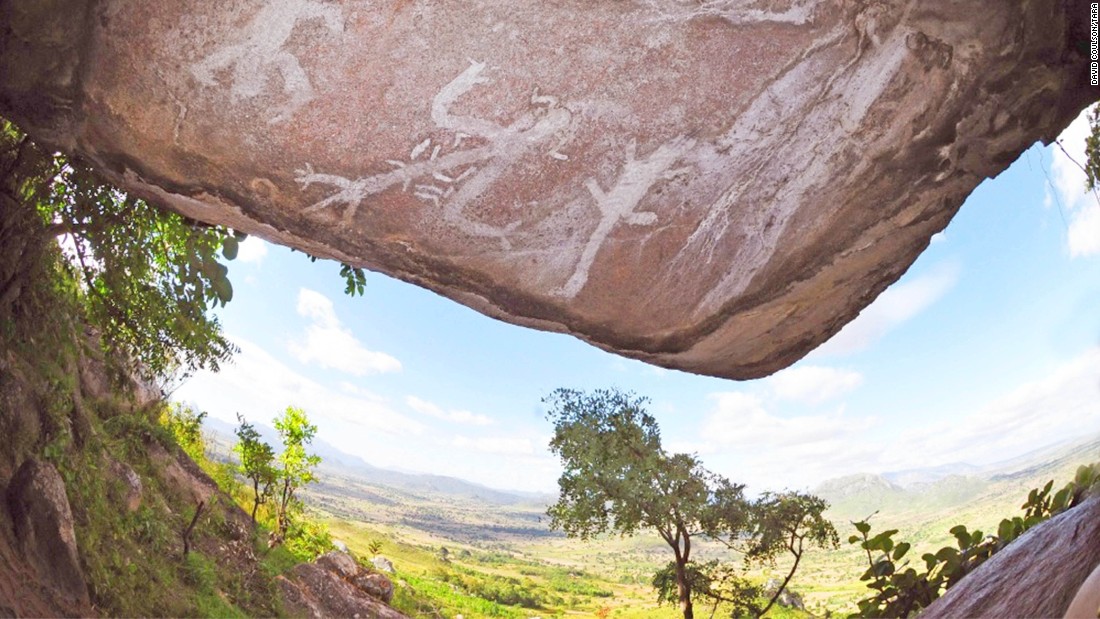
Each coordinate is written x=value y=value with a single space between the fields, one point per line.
x=713 y=185
x=1035 y=576
x=382 y=564
x=127 y=488
x=336 y=586
x=181 y=475
x=43 y=525
x=788 y=598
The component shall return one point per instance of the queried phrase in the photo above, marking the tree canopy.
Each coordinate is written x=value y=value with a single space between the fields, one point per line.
x=294 y=464
x=257 y=460
x=618 y=478
x=146 y=276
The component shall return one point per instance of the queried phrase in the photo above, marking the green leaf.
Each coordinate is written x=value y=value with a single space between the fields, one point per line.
x=930 y=560
x=862 y=527
x=900 y=550
x=223 y=289
x=210 y=269
x=229 y=248
x=947 y=553
x=884 y=567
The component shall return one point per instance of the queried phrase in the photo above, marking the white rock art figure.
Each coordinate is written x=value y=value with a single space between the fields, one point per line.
x=734 y=11
x=451 y=180
x=619 y=204
x=257 y=53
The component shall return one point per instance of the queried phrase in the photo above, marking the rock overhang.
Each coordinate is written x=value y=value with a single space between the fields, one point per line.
x=716 y=185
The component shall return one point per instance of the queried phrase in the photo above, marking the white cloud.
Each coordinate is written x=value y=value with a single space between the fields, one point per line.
x=497 y=445
x=253 y=249
x=260 y=386
x=813 y=384
x=1084 y=231
x=454 y=416
x=749 y=444
x=938 y=238
x=331 y=345
x=1083 y=210
x=689 y=447
x=740 y=420
x=1064 y=404
x=896 y=305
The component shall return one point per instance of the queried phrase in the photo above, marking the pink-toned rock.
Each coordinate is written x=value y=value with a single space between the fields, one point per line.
x=713 y=185
x=376 y=585
x=336 y=586
x=43 y=524
x=1038 y=575
x=127 y=488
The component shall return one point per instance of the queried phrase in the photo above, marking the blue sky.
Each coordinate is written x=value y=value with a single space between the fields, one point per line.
x=987 y=348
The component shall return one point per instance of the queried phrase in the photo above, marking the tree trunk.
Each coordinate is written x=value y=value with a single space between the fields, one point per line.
x=786 y=581
x=191 y=527
x=684 y=588
x=256 y=501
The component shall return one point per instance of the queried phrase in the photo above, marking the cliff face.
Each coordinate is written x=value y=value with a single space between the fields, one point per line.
x=716 y=185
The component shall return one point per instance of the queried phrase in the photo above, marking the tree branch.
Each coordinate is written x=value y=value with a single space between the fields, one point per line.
x=190 y=527
x=779 y=591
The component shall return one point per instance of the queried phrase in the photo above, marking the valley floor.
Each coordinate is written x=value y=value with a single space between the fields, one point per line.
x=456 y=553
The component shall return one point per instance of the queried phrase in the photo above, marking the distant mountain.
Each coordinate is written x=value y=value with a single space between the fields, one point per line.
x=1045 y=458
x=854 y=497
x=355 y=468
x=911 y=477
x=928 y=494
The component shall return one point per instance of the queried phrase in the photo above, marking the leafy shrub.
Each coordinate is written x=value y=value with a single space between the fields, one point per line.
x=308 y=539
x=901 y=590
x=185 y=424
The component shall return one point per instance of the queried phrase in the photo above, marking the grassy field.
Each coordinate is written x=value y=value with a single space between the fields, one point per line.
x=502 y=560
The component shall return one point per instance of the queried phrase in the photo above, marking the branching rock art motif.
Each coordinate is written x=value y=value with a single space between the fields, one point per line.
x=734 y=11
x=257 y=53
x=450 y=175
x=619 y=204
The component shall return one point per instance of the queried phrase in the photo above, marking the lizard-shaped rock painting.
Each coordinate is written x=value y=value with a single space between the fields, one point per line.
x=452 y=180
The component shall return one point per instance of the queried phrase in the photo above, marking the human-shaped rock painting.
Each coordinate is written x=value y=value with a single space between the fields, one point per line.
x=256 y=54
x=618 y=204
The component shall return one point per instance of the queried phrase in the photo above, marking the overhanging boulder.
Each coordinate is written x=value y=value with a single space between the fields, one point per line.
x=712 y=185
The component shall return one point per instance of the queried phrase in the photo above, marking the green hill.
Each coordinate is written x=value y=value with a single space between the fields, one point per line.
x=499 y=537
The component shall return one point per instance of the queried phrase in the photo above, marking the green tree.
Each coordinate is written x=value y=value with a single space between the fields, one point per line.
x=787 y=523
x=185 y=424
x=295 y=465
x=618 y=478
x=256 y=463
x=148 y=276
x=1092 y=149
